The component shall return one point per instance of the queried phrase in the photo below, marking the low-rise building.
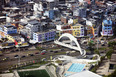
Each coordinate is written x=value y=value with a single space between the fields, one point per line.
x=10 y=29
x=15 y=38
x=79 y=11
x=77 y=30
x=44 y=36
x=2 y=33
x=110 y=6
x=64 y=19
x=21 y=25
x=33 y=26
x=49 y=14
x=25 y=33
x=107 y=28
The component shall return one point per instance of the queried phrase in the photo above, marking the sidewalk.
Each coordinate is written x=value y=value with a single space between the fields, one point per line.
x=103 y=69
x=7 y=75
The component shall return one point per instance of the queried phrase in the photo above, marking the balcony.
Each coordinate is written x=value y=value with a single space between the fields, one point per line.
x=106 y=34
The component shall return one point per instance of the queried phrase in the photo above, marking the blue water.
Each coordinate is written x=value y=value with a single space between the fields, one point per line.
x=76 y=67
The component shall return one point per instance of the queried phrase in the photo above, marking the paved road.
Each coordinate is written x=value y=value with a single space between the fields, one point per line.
x=13 y=61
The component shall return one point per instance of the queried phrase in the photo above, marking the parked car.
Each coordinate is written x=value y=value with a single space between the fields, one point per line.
x=62 y=49
x=102 y=41
x=42 y=53
x=103 y=45
x=44 y=59
x=55 y=51
x=31 y=54
x=87 y=47
x=16 y=56
x=36 y=52
x=6 y=58
x=23 y=56
x=51 y=51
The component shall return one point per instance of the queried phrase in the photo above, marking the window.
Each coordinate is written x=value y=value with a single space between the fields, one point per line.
x=81 y=27
x=82 y=34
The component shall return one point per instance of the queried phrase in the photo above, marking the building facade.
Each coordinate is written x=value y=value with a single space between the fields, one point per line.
x=107 y=28
x=33 y=26
x=10 y=29
x=80 y=11
x=78 y=30
x=44 y=36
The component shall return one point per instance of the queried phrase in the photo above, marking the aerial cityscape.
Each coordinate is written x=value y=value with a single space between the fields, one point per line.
x=57 y=38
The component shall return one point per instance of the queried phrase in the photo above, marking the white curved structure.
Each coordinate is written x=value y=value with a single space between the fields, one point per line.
x=75 y=59
x=72 y=41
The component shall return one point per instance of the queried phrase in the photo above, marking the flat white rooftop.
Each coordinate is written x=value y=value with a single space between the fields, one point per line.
x=85 y=74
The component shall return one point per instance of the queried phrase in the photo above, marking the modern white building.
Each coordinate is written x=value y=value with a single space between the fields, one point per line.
x=33 y=26
x=85 y=74
x=38 y=7
x=70 y=21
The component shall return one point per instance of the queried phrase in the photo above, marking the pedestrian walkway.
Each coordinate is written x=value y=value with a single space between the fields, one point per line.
x=7 y=75
x=103 y=69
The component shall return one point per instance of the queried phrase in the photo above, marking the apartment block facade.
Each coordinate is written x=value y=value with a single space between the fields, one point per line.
x=107 y=28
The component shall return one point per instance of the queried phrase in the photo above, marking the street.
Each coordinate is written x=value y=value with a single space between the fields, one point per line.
x=9 y=60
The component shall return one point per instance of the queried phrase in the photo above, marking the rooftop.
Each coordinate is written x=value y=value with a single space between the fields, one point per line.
x=23 y=24
x=33 y=22
x=108 y=22
x=16 y=34
x=46 y=31
x=85 y=74
x=113 y=58
x=10 y=26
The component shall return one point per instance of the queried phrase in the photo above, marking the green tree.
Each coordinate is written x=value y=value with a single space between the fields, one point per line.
x=97 y=52
x=56 y=37
x=39 y=48
x=109 y=53
x=91 y=46
x=112 y=44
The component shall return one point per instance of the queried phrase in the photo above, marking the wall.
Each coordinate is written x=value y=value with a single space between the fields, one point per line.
x=10 y=38
x=64 y=20
x=51 y=14
x=107 y=28
x=39 y=37
x=12 y=32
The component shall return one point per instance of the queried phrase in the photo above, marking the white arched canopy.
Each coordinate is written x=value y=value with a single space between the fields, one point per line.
x=72 y=39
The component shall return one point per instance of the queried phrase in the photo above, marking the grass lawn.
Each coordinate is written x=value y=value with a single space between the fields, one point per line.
x=35 y=73
x=37 y=65
x=101 y=48
x=60 y=53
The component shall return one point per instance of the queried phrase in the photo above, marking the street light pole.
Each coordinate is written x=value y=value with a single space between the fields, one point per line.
x=19 y=57
x=97 y=42
x=97 y=38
